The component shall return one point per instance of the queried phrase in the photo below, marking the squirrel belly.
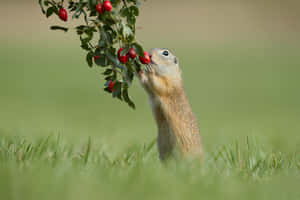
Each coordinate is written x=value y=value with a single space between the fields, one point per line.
x=178 y=132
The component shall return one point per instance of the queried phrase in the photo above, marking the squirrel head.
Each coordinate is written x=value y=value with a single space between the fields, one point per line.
x=162 y=75
x=164 y=63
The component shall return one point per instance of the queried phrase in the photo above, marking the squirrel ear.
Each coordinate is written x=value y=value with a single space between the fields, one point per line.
x=175 y=60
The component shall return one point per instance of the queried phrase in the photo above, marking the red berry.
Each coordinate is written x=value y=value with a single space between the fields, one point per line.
x=111 y=86
x=145 y=59
x=107 y=5
x=99 y=8
x=63 y=15
x=122 y=59
x=119 y=52
x=95 y=58
x=132 y=53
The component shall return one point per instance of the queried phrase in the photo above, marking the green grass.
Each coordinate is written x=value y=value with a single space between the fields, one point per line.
x=50 y=168
x=245 y=98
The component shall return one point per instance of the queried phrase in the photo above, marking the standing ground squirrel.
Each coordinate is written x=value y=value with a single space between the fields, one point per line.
x=178 y=131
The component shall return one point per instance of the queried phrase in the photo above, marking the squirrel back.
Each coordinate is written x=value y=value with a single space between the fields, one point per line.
x=178 y=132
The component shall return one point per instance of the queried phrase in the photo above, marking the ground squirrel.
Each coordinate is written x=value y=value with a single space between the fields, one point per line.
x=178 y=131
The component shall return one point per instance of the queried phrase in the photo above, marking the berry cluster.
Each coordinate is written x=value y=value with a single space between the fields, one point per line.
x=112 y=23
x=100 y=8
x=106 y=6
x=123 y=58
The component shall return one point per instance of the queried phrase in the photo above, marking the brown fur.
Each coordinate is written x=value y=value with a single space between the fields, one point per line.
x=177 y=126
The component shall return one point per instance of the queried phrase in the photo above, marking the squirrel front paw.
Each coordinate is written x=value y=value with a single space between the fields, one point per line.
x=142 y=77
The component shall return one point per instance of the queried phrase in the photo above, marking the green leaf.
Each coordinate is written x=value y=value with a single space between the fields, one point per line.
x=102 y=60
x=138 y=49
x=115 y=3
x=117 y=90
x=131 y=20
x=78 y=10
x=107 y=18
x=52 y=3
x=109 y=78
x=134 y=10
x=127 y=98
x=99 y=51
x=50 y=11
x=116 y=28
x=107 y=90
x=137 y=66
x=124 y=51
x=105 y=38
x=126 y=30
x=110 y=34
x=80 y=29
x=92 y=4
x=124 y=12
x=59 y=28
x=107 y=72
x=86 y=37
x=89 y=58
x=128 y=74
x=85 y=46
x=42 y=6
x=112 y=58
x=102 y=42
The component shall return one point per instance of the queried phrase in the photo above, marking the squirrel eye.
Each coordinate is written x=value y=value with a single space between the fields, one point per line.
x=165 y=53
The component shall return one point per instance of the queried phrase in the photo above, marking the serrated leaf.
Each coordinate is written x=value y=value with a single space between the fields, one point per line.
x=59 y=28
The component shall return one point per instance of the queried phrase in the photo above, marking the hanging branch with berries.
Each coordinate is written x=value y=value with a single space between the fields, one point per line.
x=112 y=23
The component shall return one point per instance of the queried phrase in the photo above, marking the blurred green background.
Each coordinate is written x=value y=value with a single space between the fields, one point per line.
x=240 y=63
x=241 y=67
